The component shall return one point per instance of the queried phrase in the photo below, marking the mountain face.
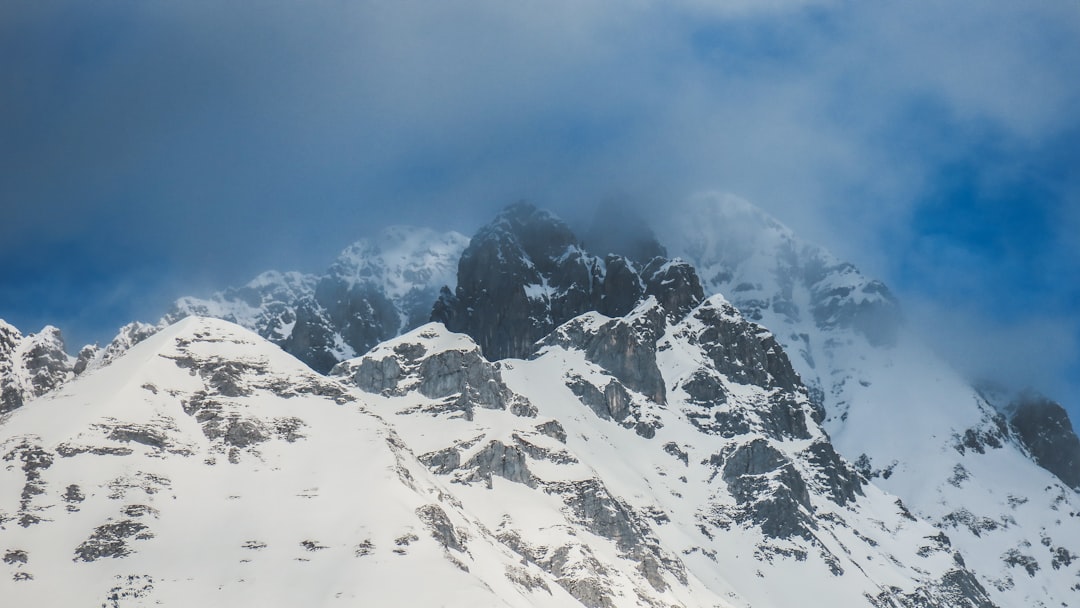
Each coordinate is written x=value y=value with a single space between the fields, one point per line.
x=909 y=422
x=375 y=290
x=579 y=427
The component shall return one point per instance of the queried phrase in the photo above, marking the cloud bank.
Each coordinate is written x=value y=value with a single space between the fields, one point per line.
x=158 y=147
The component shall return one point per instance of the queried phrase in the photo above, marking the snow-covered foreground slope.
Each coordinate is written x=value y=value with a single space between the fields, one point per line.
x=207 y=467
x=908 y=420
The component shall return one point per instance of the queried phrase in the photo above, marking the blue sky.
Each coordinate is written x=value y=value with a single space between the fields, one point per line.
x=152 y=150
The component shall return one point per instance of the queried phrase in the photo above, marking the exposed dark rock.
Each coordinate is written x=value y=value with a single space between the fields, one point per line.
x=1061 y=557
x=1014 y=558
x=110 y=540
x=496 y=458
x=743 y=351
x=85 y=356
x=625 y=347
x=839 y=478
x=462 y=377
x=538 y=453
x=520 y=277
x=525 y=274
x=442 y=461
x=378 y=288
x=380 y=376
x=748 y=354
x=674 y=284
x=770 y=492
x=1045 y=430
x=554 y=429
x=312 y=338
x=35 y=459
x=673 y=448
x=706 y=388
x=442 y=530
x=992 y=433
x=595 y=508
x=31 y=366
x=957 y=588
x=364 y=548
x=463 y=372
x=613 y=403
x=622 y=288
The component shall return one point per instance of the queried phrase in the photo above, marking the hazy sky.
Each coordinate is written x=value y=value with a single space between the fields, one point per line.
x=155 y=149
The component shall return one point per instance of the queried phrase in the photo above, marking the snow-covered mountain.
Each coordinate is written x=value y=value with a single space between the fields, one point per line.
x=207 y=466
x=578 y=427
x=908 y=421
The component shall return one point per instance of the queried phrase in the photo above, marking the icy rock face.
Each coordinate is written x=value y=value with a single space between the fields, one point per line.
x=526 y=273
x=1044 y=428
x=32 y=365
x=376 y=289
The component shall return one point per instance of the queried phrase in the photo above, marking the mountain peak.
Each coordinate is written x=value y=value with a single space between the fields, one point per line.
x=525 y=273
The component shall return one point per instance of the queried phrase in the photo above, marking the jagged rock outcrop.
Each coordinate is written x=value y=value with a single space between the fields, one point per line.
x=32 y=365
x=1045 y=430
x=625 y=347
x=526 y=273
x=438 y=366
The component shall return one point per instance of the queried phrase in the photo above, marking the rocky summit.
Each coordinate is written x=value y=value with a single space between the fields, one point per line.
x=526 y=418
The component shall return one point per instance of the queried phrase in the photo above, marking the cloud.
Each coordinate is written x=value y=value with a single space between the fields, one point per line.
x=209 y=141
x=1025 y=352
